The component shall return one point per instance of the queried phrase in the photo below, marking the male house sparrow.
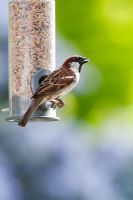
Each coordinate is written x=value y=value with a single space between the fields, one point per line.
x=56 y=85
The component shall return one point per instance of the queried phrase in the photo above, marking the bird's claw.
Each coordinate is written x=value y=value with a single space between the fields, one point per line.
x=60 y=104
x=57 y=103
x=53 y=105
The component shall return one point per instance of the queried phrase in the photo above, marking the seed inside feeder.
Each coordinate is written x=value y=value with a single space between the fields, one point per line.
x=31 y=46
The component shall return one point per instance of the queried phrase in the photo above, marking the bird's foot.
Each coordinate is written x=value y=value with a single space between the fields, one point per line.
x=54 y=104
x=60 y=103
x=57 y=103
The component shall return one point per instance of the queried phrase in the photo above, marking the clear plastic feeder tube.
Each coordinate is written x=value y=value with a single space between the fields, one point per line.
x=31 y=47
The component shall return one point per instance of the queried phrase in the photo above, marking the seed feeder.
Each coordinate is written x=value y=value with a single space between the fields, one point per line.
x=31 y=55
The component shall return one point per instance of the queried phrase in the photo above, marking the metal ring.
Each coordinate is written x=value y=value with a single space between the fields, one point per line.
x=37 y=76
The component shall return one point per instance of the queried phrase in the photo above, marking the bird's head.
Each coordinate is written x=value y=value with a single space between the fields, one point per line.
x=75 y=63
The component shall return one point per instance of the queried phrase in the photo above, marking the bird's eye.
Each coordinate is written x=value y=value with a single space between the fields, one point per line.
x=78 y=59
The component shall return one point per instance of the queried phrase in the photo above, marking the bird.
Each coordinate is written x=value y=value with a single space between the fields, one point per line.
x=53 y=87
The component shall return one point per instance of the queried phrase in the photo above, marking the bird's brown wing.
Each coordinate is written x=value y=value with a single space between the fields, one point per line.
x=54 y=82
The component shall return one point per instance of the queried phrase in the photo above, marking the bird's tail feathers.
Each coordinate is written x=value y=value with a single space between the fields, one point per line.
x=35 y=103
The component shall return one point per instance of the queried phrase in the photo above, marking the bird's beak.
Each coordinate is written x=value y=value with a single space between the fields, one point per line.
x=84 y=60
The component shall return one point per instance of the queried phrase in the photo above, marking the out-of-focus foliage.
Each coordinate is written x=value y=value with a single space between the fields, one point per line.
x=103 y=31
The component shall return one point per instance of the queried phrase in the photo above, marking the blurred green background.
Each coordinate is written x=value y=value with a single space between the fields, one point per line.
x=103 y=31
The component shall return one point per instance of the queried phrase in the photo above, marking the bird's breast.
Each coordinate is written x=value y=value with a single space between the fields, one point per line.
x=71 y=86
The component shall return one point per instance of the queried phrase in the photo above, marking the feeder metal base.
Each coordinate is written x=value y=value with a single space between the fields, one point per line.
x=34 y=119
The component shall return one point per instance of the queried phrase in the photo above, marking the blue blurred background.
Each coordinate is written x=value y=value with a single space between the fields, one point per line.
x=88 y=155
